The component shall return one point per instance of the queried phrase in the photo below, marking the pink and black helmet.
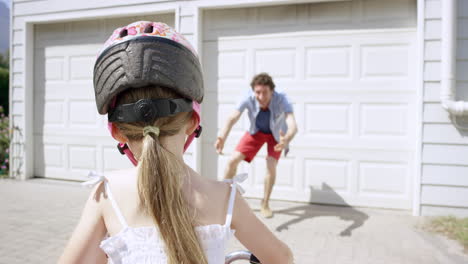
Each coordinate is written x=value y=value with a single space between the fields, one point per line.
x=143 y=54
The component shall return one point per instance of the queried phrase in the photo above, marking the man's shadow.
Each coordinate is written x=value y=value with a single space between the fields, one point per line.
x=343 y=211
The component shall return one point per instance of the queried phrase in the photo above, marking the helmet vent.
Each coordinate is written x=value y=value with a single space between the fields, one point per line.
x=148 y=29
x=123 y=33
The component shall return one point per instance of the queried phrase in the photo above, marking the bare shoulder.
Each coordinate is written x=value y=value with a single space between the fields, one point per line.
x=214 y=190
x=120 y=180
x=210 y=198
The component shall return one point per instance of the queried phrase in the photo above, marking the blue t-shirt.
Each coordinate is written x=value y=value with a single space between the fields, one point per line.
x=279 y=106
x=263 y=121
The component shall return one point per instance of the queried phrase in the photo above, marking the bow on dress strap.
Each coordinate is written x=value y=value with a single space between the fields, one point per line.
x=236 y=180
x=95 y=179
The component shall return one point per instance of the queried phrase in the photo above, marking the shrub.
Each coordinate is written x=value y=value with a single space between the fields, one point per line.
x=4 y=87
x=4 y=143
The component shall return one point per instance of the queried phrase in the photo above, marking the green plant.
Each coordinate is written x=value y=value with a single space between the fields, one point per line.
x=4 y=143
x=5 y=60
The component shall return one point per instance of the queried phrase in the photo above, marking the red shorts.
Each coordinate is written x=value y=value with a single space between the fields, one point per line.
x=249 y=145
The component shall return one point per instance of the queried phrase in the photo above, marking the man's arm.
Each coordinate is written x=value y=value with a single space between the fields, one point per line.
x=292 y=130
x=232 y=120
x=292 y=127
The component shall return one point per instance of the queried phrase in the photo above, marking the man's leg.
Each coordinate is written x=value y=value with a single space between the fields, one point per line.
x=269 y=182
x=246 y=150
x=231 y=167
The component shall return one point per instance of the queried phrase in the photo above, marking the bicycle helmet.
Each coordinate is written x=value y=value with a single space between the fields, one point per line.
x=141 y=54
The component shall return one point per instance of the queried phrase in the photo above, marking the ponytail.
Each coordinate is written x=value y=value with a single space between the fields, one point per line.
x=160 y=181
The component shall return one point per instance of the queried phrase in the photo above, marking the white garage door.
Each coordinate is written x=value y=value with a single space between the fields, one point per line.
x=351 y=79
x=70 y=137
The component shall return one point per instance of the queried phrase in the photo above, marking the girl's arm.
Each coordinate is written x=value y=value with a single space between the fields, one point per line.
x=83 y=246
x=256 y=237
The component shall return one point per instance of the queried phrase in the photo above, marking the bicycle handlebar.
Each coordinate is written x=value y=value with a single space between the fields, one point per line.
x=241 y=255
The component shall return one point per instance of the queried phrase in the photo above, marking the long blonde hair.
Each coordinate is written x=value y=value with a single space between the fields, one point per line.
x=160 y=182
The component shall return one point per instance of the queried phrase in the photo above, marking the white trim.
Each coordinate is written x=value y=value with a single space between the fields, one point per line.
x=215 y=4
x=137 y=10
x=159 y=6
x=419 y=106
x=177 y=18
x=198 y=42
x=28 y=112
x=323 y=33
x=10 y=92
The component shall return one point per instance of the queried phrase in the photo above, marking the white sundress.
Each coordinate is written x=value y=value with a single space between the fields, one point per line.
x=143 y=245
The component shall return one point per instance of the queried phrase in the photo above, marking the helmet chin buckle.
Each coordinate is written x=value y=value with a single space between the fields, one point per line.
x=122 y=148
x=198 y=131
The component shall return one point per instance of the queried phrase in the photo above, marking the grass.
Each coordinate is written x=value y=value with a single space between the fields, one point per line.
x=452 y=227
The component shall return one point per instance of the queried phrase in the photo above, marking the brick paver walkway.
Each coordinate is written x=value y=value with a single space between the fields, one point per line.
x=38 y=216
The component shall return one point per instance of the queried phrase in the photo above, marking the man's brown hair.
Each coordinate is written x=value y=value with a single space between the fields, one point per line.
x=262 y=79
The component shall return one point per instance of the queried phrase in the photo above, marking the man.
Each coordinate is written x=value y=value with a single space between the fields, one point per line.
x=271 y=121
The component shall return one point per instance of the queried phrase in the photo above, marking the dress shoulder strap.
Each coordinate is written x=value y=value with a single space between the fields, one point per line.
x=232 y=197
x=96 y=179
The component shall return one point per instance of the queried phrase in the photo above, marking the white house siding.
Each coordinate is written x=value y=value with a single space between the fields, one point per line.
x=349 y=69
x=444 y=182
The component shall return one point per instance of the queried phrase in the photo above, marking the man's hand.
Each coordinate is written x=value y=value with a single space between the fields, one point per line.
x=233 y=118
x=282 y=142
x=219 y=145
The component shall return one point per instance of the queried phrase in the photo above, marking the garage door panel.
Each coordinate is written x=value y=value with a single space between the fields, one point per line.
x=338 y=142
x=396 y=59
x=227 y=19
x=383 y=179
x=384 y=120
x=63 y=90
x=328 y=119
x=90 y=29
x=81 y=67
x=233 y=90
x=330 y=13
x=54 y=113
x=266 y=60
x=82 y=115
x=54 y=68
x=236 y=64
x=383 y=10
x=54 y=157
x=373 y=155
x=328 y=62
x=343 y=86
x=112 y=160
x=82 y=157
x=334 y=173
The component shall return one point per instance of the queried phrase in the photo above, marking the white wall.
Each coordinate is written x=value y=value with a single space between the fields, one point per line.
x=444 y=179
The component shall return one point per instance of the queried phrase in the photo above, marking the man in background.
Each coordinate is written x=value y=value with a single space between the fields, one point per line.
x=271 y=121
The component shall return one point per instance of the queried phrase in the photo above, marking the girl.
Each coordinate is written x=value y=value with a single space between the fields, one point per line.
x=148 y=80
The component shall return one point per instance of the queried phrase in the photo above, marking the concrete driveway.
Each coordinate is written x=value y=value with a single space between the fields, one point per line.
x=37 y=217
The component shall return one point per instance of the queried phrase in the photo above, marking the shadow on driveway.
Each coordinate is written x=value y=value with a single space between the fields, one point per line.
x=343 y=211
